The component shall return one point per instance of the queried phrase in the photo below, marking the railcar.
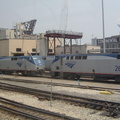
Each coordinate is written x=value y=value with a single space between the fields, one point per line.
x=96 y=65
x=26 y=65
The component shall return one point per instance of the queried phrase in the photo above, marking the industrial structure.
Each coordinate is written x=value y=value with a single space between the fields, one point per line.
x=59 y=35
x=112 y=44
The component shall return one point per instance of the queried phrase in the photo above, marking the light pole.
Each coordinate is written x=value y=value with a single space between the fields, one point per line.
x=103 y=27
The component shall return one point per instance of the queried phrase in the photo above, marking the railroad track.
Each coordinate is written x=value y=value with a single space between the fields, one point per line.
x=112 y=108
x=86 y=79
x=63 y=85
x=30 y=112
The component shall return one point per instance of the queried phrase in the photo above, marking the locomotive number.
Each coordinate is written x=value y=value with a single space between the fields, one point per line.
x=117 y=68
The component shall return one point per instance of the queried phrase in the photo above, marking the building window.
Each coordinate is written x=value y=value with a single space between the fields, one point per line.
x=107 y=45
x=18 y=49
x=113 y=45
x=117 y=39
x=50 y=50
x=61 y=52
x=77 y=52
x=101 y=45
x=33 y=50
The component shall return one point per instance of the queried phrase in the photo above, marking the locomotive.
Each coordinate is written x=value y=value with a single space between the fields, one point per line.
x=96 y=65
x=26 y=65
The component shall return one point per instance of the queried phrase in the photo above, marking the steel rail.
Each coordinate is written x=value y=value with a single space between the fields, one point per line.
x=21 y=105
x=2 y=107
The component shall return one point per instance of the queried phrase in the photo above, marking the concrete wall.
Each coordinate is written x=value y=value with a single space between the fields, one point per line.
x=4 y=47
x=43 y=45
x=25 y=45
x=6 y=33
x=8 y=47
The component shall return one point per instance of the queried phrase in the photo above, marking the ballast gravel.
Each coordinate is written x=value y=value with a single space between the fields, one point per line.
x=71 y=91
x=58 y=106
x=55 y=106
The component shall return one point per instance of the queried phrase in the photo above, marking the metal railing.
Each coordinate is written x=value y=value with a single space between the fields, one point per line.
x=64 y=32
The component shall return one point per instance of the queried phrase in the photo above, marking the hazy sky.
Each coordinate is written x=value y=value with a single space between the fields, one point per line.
x=83 y=16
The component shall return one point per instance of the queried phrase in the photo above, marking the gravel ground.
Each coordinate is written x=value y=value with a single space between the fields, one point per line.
x=59 y=106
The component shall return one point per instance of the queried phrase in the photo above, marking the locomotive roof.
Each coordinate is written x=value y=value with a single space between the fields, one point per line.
x=91 y=54
x=19 y=57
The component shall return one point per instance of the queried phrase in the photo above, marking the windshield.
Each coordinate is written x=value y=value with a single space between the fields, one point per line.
x=38 y=61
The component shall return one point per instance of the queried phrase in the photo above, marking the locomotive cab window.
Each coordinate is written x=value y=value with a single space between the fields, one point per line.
x=84 y=57
x=118 y=57
x=44 y=58
x=67 y=58
x=77 y=57
x=71 y=58
x=13 y=58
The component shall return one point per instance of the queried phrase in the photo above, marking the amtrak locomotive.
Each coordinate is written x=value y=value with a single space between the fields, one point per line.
x=27 y=65
x=95 y=65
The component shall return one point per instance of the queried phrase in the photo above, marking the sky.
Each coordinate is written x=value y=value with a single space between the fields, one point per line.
x=76 y=15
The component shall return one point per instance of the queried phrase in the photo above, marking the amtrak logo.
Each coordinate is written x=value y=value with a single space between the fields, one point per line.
x=70 y=65
x=19 y=64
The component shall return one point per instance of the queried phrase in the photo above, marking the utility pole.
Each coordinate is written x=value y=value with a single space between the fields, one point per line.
x=103 y=27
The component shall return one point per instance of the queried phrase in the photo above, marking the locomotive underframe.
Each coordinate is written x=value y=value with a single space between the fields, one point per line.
x=67 y=75
x=23 y=72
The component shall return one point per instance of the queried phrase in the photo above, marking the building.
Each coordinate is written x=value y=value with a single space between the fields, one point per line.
x=18 y=47
x=112 y=44
x=23 y=45
x=78 y=49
